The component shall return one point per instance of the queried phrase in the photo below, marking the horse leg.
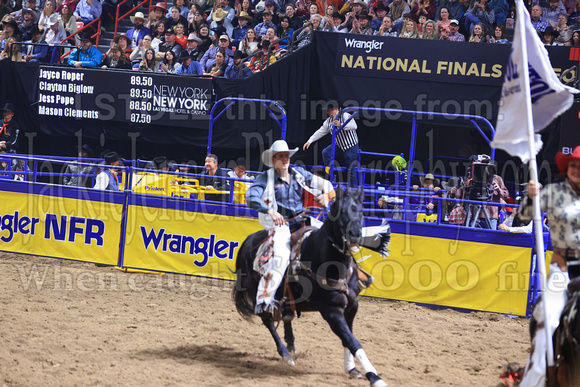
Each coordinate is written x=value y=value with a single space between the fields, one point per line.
x=349 y=365
x=289 y=337
x=340 y=327
x=282 y=350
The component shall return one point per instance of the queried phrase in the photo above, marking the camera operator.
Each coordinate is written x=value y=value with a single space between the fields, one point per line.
x=497 y=191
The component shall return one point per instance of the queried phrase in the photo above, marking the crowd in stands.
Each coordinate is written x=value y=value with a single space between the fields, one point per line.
x=201 y=37
x=431 y=198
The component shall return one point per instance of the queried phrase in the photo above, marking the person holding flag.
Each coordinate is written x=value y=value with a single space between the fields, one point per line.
x=532 y=90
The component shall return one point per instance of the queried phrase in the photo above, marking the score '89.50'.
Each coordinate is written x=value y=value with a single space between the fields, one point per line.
x=140 y=93
x=137 y=80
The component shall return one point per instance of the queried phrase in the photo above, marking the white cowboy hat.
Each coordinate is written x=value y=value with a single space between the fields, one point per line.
x=138 y=15
x=277 y=147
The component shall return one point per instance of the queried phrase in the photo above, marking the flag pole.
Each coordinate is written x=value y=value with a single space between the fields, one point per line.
x=537 y=214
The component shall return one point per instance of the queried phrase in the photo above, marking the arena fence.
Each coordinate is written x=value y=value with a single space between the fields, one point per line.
x=175 y=228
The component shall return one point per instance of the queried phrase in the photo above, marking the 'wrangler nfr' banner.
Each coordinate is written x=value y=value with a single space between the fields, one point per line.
x=60 y=227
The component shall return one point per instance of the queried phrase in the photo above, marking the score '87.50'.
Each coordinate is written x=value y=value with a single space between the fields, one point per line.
x=141 y=118
x=141 y=81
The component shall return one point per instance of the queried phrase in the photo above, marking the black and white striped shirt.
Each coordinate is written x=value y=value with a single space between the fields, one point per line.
x=347 y=137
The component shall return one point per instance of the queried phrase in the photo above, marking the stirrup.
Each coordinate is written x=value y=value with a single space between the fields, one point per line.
x=287 y=315
x=366 y=283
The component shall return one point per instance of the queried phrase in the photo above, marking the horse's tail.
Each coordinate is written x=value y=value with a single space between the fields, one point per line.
x=246 y=286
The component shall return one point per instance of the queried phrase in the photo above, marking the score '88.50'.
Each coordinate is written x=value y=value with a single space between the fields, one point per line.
x=137 y=80
x=140 y=105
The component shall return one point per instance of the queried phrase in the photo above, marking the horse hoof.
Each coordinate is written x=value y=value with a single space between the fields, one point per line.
x=290 y=362
x=379 y=383
x=355 y=374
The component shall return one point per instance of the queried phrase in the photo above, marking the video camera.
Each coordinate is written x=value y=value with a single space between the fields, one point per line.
x=480 y=177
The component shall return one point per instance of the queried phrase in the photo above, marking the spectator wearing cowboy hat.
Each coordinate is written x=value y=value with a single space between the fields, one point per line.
x=378 y=15
x=107 y=180
x=10 y=31
x=9 y=130
x=192 y=47
x=157 y=14
x=430 y=186
x=239 y=171
x=88 y=10
x=188 y=66
x=122 y=40
x=336 y=23
x=239 y=33
x=263 y=59
x=357 y=7
x=238 y=70
x=224 y=14
x=54 y=33
x=262 y=27
x=138 y=31
x=33 y=53
x=550 y=35
x=32 y=4
x=86 y=55
x=28 y=22
x=218 y=25
x=208 y=60
x=159 y=163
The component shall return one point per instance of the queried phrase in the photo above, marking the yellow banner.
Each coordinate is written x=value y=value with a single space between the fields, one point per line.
x=452 y=273
x=185 y=242
x=81 y=230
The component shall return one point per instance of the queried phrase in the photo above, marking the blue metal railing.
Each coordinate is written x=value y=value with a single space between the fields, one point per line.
x=231 y=101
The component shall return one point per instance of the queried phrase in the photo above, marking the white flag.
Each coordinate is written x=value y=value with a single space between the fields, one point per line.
x=549 y=97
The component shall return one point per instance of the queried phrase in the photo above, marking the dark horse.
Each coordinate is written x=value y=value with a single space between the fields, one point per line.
x=327 y=281
x=566 y=340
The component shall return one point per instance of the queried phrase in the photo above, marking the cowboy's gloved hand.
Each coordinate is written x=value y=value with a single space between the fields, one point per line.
x=322 y=200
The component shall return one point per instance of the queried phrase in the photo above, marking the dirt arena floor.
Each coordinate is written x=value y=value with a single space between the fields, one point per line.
x=66 y=323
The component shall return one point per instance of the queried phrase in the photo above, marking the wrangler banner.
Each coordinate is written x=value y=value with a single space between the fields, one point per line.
x=185 y=242
x=428 y=60
x=59 y=227
x=452 y=273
